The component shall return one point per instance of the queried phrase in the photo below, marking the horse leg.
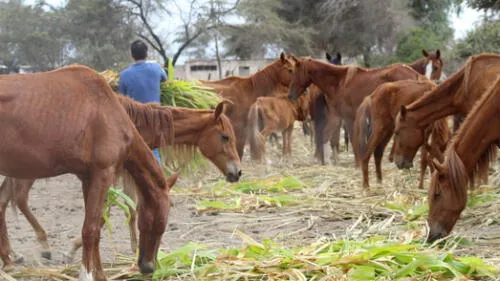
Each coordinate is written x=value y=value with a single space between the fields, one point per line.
x=21 y=195
x=95 y=187
x=5 y=248
x=378 y=154
x=129 y=190
x=332 y=134
x=391 y=154
x=346 y=139
x=424 y=158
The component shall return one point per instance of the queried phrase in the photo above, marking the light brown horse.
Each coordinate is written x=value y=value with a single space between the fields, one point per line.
x=374 y=123
x=209 y=130
x=473 y=147
x=70 y=121
x=244 y=91
x=344 y=86
x=455 y=95
x=274 y=114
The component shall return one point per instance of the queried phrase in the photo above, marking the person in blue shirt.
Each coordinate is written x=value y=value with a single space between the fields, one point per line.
x=141 y=81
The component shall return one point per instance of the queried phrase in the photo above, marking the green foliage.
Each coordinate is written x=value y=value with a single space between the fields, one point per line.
x=485 y=38
x=116 y=197
x=410 y=46
x=188 y=94
x=371 y=259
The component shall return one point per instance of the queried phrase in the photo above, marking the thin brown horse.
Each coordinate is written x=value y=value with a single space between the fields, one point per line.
x=455 y=95
x=374 y=123
x=244 y=91
x=473 y=147
x=208 y=130
x=70 y=121
x=274 y=114
x=344 y=86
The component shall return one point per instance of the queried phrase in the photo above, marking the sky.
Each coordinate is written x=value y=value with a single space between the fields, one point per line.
x=463 y=23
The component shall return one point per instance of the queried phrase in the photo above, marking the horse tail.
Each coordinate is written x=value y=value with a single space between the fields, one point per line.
x=256 y=124
x=320 y=115
x=362 y=129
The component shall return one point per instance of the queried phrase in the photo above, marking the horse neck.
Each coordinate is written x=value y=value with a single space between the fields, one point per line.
x=418 y=66
x=327 y=77
x=144 y=169
x=476 y=132
x=438 y=103
x=265 y=81
x=190 y=123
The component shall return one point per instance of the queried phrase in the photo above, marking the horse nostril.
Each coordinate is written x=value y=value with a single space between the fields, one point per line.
x=239 y=173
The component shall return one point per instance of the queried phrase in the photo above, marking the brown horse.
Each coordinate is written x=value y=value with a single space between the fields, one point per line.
x=208 y=130
x=345 y=86
x=431 y=65
x=455 y=95
x=244 y=91
x=70 y=121
x=272 y=114
x=374 y=123
x=473 y=147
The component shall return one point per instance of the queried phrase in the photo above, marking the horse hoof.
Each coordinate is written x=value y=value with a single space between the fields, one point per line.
x=47 y=255
x=8 y=268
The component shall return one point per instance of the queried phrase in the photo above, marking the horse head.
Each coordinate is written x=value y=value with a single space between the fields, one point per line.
x=447 y=195
x=301 y=78
x=218 y=144
x=433 y=64
x=337 y=60
x=408 y=138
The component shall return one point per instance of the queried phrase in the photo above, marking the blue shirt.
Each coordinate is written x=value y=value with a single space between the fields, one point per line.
x=141 y=81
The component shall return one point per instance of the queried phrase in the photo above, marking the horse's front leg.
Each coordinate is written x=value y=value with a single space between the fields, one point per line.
x=95 y=187
x=5 y=249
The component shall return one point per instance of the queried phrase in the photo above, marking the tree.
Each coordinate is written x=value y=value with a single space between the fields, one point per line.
x=483 y=39
x=29 y=35
x=411 y=45
x=100 y=31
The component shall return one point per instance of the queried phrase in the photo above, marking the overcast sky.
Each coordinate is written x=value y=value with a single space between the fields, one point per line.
x=465 y=22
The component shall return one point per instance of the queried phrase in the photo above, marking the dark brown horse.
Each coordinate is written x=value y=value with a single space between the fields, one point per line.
x=244 y=91
x=344 y=86
x=208 y=130
x=374 y=123
x=455 y=95
x=473 y=147
x=70 y=121
x=274 y=114
x=431 y=65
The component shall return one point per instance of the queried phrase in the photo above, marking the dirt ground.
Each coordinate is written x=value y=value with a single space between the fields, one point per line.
x=58 y=204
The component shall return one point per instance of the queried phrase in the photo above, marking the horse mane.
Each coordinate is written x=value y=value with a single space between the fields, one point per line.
x=151 y=115
x=490 y=153
x=351 y=72
x=266 y=79
x=457 y=174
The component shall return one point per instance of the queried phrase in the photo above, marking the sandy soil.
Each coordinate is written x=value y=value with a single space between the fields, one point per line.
x=58 y=204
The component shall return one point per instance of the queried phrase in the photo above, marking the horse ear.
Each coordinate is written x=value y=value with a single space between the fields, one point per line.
x=328 y=57
x=297 y=62
x=424 y=52
x=220 y=108
x=403 y=112
x=339 y=57
x=282 y=57
x=171 y=181
x=438 y=53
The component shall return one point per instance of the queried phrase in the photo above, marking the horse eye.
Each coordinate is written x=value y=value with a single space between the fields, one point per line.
x=396 y=133
x=290 y=71
x=437 y=195
x=224 y=138
x=434 y=68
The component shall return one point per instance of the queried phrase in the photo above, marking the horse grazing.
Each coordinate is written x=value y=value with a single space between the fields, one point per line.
x=272 y=114
x=344 y=86
x=374 y=123
x=89 y=134
x=244 y=91
x=208 y=130
x=473 y=147
x=455 y=95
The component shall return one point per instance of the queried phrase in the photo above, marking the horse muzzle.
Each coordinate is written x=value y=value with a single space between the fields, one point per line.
x=402 y=163
x=233 y=172
x=292 y=96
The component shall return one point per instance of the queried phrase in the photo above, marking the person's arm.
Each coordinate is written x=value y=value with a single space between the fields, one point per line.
x=122 y=88
x=163 y=74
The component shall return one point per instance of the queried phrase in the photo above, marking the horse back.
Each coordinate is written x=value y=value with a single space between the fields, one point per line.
x=59 y=121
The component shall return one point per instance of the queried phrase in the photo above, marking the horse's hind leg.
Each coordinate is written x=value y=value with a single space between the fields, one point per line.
x=95 y=188
x=21 y=195
x=378 y=154
x=5 y=248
